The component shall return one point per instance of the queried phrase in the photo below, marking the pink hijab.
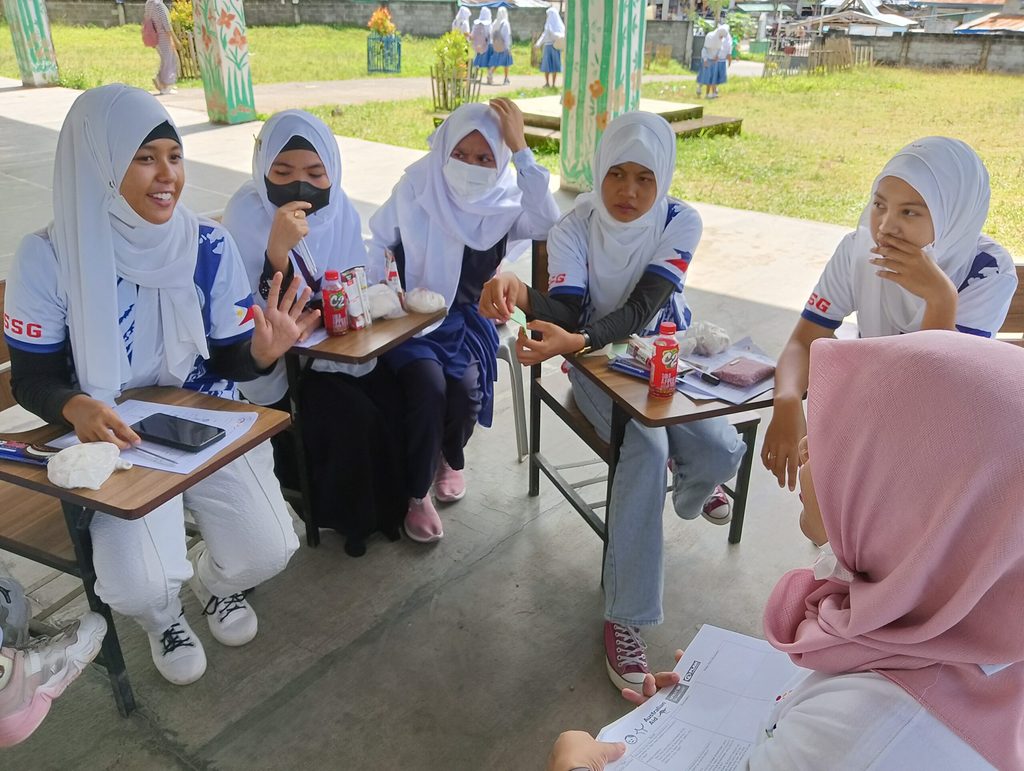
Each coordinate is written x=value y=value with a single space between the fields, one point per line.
x=917 y=448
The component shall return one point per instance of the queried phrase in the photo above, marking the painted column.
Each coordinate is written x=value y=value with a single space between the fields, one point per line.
x=223 y=50
x=604 y=59
x=33 y=46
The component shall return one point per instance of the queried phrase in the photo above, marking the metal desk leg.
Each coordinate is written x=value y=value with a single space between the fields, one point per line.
x=78 y=519
x=312 y=531
x=618 y=433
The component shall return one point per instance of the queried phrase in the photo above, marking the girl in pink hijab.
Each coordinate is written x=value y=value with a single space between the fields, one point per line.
x=911 y=621
x=912 y=618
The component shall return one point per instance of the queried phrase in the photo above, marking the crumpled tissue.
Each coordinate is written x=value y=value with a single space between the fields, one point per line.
x=85 y=465
x=422 y=300
x=827 y=567
x=384 y=302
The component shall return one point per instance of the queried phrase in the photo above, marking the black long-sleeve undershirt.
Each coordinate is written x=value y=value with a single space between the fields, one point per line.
x=650 y=293
x=42 y=383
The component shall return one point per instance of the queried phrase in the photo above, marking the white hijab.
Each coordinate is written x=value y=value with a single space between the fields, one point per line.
x=436 y=225
x=953 y=182
x=334 y=232
x=484 y=17
x=97 y=237
x=623 y=250
x=501 y=25
x=554 y=24
x=461 y=21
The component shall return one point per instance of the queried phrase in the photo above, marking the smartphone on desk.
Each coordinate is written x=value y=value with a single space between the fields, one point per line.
x=177 y=432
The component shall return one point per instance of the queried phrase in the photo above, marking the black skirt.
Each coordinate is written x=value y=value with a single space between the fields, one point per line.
x=353 y=435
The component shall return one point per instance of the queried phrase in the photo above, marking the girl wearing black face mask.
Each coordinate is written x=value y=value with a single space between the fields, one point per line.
x=293 y=217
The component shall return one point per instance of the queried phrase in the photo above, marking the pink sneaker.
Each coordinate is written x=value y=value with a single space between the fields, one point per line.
x=449 y=484
x=422 y=524
x=34 y=676
x=625 y=656
x=718 y=507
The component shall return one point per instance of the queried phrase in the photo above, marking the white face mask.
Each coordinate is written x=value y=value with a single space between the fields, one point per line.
x=469 y=182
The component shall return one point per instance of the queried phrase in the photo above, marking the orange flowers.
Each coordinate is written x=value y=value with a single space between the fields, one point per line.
x=226 y=19
x=602 y=120
x=568 y=100
x=596 y=89
x=380 y=22
x=237 y=39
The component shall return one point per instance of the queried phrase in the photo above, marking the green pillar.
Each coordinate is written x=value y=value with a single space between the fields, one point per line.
x=604 y=59
x=33 y=46
x=223 y=50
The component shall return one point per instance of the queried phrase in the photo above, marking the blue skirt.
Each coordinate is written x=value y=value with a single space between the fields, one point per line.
x=504 y=59
x=483 y=60
x=712 y=73
x=463 y=337
x=552 y=59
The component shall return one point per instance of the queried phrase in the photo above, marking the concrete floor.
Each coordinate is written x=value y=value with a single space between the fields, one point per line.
x=471 y=654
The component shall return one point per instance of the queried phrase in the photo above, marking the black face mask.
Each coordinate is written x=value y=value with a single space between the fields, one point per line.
x=316 y=197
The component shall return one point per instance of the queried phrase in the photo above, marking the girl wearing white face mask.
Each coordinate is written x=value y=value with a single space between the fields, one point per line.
x=448 y=221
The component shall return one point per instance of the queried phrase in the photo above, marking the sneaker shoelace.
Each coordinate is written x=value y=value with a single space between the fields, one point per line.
x=175 y=637
x=224 y=606
x=630 y=648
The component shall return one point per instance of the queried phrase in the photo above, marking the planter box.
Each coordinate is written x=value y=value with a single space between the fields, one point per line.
x=383 y=53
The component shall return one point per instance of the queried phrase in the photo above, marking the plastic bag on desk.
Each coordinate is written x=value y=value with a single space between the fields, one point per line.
x=384 y=302
x=422 y=300
x=85 y=465
x=707 y=339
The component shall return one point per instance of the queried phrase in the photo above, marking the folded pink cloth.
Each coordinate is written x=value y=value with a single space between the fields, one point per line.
x=916 y=447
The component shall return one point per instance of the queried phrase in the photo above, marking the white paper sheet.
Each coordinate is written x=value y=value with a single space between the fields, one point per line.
x=691 y=384
x=712 y=718
x=316 y=337
x=235 y=425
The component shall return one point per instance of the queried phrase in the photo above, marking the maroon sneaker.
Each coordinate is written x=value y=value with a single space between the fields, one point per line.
x=625 y=656
x=717 y=508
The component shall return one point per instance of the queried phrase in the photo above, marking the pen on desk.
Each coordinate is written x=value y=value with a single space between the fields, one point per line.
x=156 y=455
x=703 y=374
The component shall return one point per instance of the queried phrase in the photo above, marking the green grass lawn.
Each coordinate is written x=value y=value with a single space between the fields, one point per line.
x=92 y=56
x=811 y=145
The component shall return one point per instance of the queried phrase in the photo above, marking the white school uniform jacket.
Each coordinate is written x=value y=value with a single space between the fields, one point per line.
x=857 y=722
x=849 y=284
x=571 y=268
x=35 y=318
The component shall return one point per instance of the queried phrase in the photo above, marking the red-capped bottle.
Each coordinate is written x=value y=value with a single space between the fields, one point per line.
x=335 y=306
x=664 y=363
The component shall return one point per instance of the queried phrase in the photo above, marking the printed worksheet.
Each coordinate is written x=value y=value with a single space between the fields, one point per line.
x=710 y=720
x=691 y=384
x=163 y=458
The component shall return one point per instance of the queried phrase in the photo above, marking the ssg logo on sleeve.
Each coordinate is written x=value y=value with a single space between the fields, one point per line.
x=19 y=327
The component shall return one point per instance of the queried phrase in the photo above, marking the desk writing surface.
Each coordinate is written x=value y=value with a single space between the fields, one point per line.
x=359 y=346
x=631 y=394
x=136 y=492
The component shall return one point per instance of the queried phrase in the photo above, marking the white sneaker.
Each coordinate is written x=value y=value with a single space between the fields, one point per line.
x=178 y=654
x=231 y=619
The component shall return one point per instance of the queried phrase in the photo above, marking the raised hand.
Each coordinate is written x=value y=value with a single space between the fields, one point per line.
x=283 y=323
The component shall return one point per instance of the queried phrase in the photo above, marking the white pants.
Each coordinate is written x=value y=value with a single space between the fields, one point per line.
x=141 y=564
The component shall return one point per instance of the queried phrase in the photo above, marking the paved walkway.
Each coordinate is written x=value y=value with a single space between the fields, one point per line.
x=271 y=97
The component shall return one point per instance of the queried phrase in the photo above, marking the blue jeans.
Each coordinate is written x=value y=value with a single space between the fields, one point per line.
x=705 y=453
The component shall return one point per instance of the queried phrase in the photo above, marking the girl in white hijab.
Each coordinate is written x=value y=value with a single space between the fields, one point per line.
x=293 y=217
x=617 y=265
x=126 y=288
x=918 y=260
x=550 y=40
x=501 y=37
x=714 y=57
x=449 y=221
x=481 y=40
x=461 y=21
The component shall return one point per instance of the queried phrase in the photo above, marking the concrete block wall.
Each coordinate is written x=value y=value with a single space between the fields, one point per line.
x=427 y=18
x=678 y=34
x=992 y=53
